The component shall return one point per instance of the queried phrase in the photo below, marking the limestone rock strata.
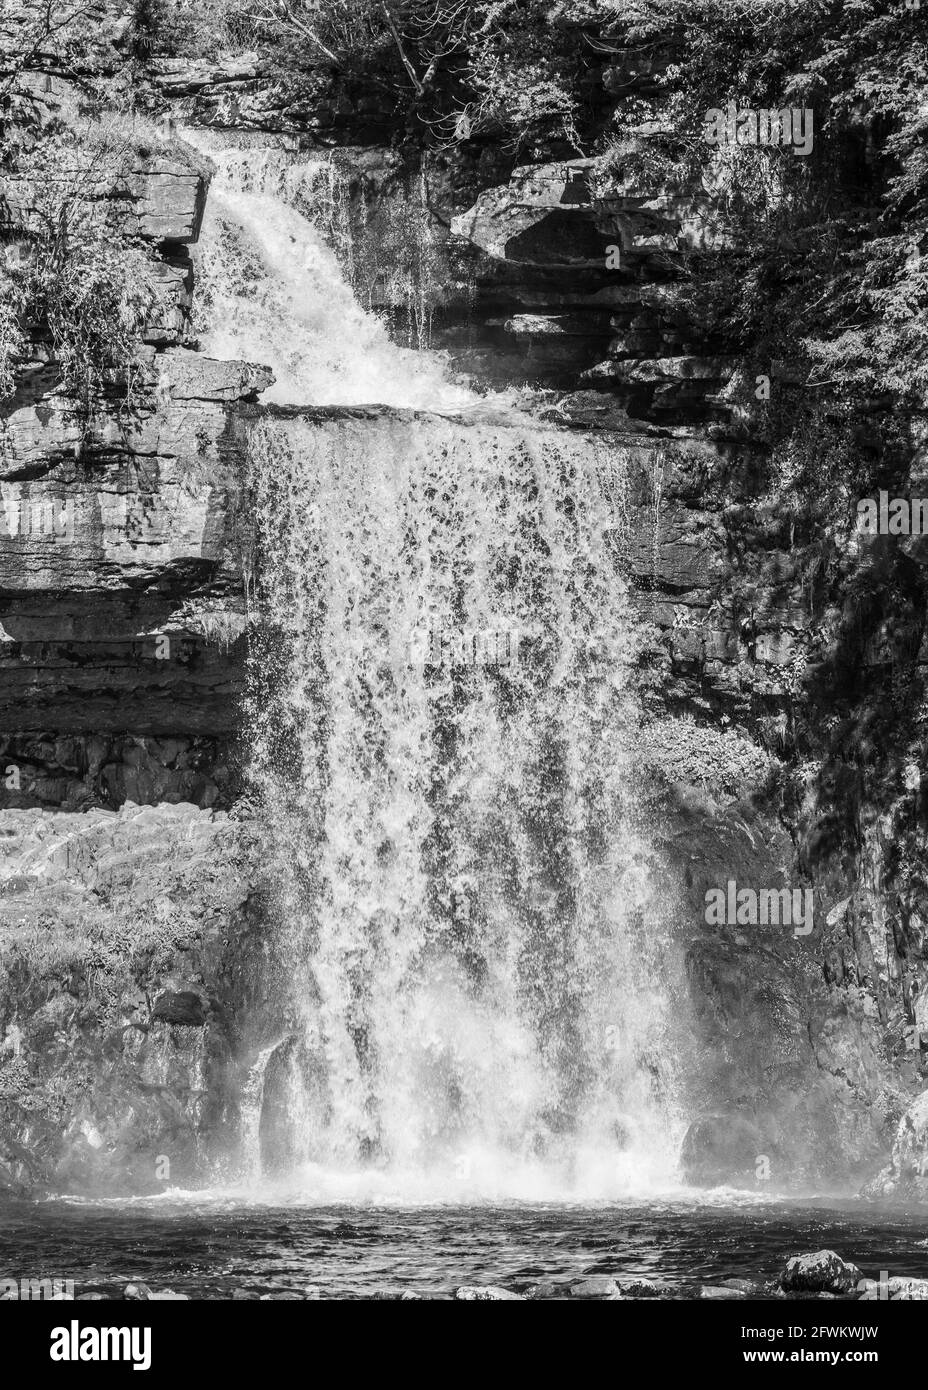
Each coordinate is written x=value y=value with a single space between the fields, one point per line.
x=121 y=588
x=587 y=256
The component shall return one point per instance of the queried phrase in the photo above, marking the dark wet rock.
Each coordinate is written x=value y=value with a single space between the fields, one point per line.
x=595 y=1286
x=721 y=1149
x=534 y=220
x=908 y=1290
x=823 y=1271
x=184 y=1008
x=142 y=1293
x=311 y=1292
x=545 y=1289
x=139 y=1293
x=642 y=1288
x=484 y=1293
x=138 y=615
x=747 y=1286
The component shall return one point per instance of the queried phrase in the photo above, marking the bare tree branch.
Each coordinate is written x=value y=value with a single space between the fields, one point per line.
x=402 y=52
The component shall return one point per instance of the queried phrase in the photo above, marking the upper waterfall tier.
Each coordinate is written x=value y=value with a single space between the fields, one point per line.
x=271 y=290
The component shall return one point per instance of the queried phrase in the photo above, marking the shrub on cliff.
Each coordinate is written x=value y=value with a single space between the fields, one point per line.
x=83 y=284
x=828 y=272
x=12 y=343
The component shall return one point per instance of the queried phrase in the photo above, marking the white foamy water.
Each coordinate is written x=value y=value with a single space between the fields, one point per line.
x=271 y=290
x=466 y=899
x=472 y=951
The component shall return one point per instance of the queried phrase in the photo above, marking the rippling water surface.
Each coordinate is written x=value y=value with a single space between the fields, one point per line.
x=212 y=1248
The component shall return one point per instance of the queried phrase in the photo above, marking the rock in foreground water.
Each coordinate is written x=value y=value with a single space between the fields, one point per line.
x=597 y=1286
x=824 y=1271
x=484 y=1293
x=141 y=1293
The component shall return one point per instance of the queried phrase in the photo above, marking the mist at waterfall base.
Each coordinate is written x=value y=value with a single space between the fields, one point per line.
x=468 y=937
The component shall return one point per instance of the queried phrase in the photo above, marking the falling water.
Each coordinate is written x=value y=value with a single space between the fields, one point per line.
x=252 y=1106
x=442 y=719
x=271 y=290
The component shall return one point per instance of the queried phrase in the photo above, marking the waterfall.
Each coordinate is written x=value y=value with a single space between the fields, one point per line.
x=252 y=1108
x=442 y=720
x=270 y=289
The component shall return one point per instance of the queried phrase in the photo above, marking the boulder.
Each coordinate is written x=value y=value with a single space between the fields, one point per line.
x=168 y=198
x=908 y=1290
x=543 y=217
x=642 y=1288
x=596 y=1286
x=721 y=1149
x=484 y=1293
x=184 y=1008
x=823 y=1271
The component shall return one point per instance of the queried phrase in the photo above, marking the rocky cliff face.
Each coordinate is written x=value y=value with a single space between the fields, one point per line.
x=121 y=593
x=121 y=566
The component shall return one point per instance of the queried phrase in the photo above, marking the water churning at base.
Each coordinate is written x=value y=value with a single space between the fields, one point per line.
x=467 y=941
